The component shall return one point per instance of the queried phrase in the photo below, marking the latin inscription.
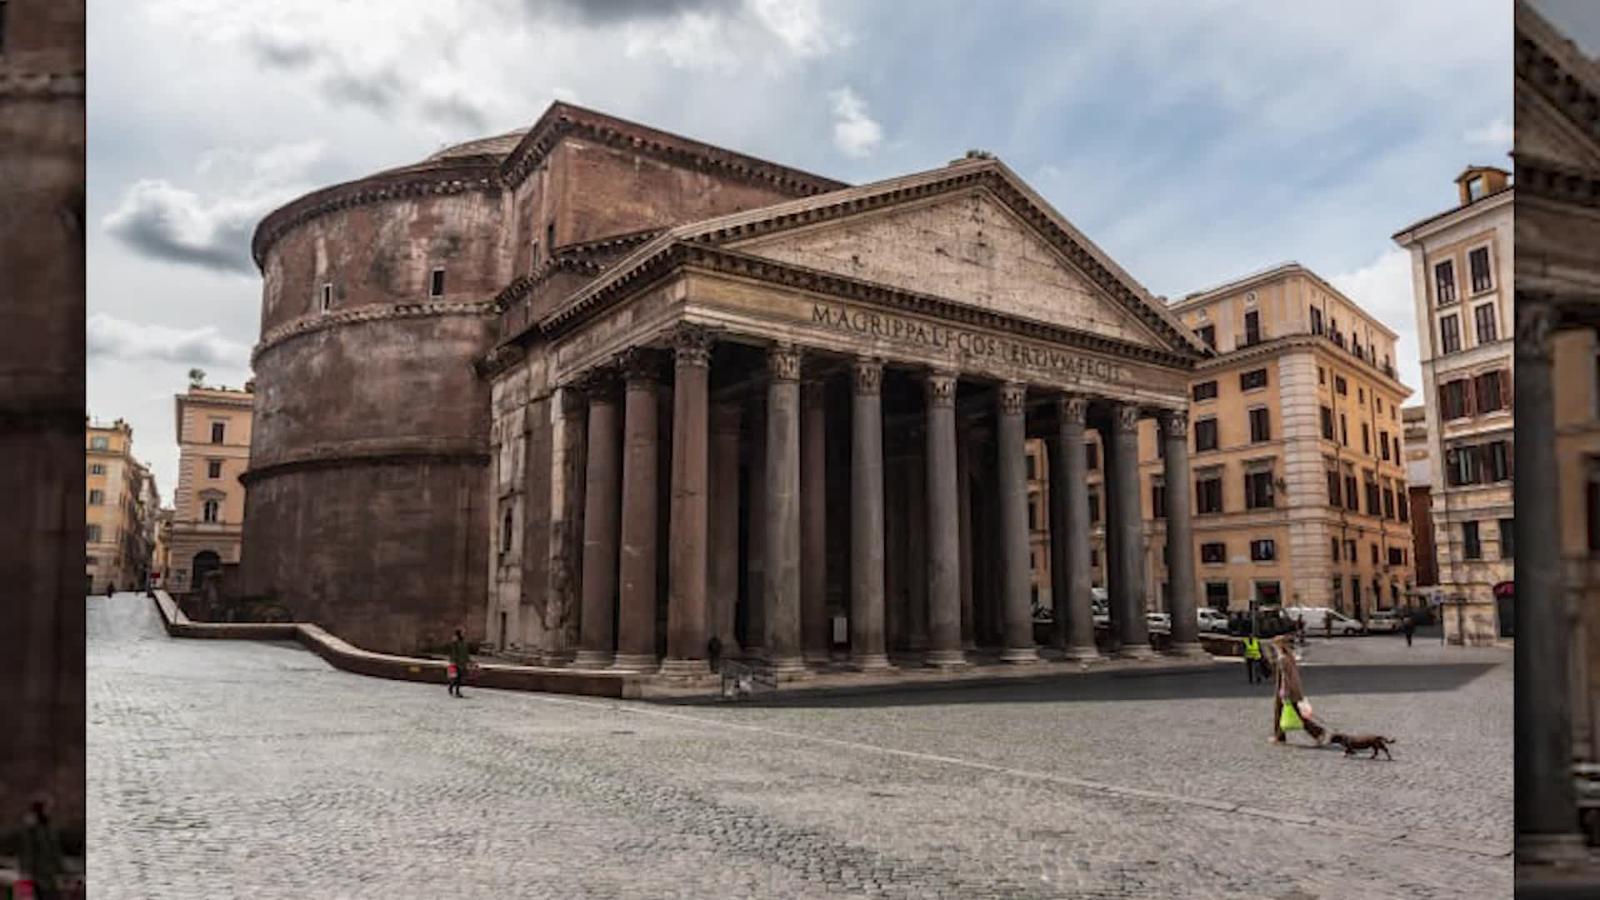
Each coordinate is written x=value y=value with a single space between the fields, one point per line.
x=969 y=344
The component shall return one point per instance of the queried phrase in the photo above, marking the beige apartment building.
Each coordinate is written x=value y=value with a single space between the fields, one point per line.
x=213 y=431
x=1295 y=438
x=1462 y=276
x=116 y=548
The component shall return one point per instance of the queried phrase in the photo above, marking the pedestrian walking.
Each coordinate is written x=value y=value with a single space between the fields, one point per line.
x=40 y=853
x=459 y=661
x=1300 y=629
x=1252 y=658
x=1291 y=711
x=714 y=653
x=1409 y=626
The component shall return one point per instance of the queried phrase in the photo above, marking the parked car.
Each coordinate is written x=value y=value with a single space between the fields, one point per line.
x=1270 y=622
x=1158 y=621
x=1319 y=618
x=1385 y=621
x=1212 y=620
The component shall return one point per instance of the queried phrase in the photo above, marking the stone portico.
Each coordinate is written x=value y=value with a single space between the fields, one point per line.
x=801 y=430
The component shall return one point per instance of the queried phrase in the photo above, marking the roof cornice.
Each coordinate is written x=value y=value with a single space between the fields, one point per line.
x=1274 y=346
x=1455 y=215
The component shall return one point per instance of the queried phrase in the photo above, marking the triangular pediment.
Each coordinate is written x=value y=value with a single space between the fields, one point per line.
x=965 y=246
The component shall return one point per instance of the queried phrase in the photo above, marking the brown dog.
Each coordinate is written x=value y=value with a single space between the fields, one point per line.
x=1373 y=742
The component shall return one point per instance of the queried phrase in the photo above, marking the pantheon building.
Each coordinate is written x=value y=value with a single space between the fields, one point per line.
x=603 y=396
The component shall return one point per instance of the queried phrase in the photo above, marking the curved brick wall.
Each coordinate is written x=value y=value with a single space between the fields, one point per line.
x=364 y=509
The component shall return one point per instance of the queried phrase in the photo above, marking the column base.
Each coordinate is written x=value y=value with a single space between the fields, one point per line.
x=592 y=659
x=787 y=665
x=946 y=659
x=818 y=657
x=1193 y=650
x=1551 y=850
x=684 y=668
x=870 y=662
x=1089 y=653
x=1019 y=655
x=635 y=662
x=1135 y=651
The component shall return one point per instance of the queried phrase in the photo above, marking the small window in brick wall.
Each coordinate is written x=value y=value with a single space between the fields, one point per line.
x=436 y=283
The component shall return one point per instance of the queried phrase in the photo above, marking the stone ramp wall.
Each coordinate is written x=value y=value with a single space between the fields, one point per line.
x=343 y=655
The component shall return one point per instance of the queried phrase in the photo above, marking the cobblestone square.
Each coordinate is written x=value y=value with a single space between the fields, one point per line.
x=237 y=769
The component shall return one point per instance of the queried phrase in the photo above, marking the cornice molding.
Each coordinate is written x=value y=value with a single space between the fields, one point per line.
x=1555 y=181
x=372 y=313
x=29 y=85
x=1274 y=347
x=392 y=457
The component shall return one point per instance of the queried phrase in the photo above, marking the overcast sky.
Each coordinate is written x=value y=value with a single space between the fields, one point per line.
x=1193 y=140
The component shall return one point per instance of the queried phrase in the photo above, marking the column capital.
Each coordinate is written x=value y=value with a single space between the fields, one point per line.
x=942 y=387
x=1074 y=408
x=1535 y=321
x=598 y=385
x=691 y=345
x=1013 y=398
x=1175 y=423
x=867 y=375
x=783 y=362
x=1125 y=418
x=640 y=366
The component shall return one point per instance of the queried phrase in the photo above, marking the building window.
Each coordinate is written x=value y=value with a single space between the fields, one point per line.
x=550 y=237
x=1449 y=334
x=1094 y=507
x=210 y=511
x=1252 y=327
x=94 y=533
x=326 y=303
x=1263 y=550
x=1470 y=548
x=1463 y=466
x=213 y=468
x=1366 y=439
x=1333 y=544
x=505 y=530
x=1508 y=539
x=1260 y=425
x=1158 y=498
x=1397 y=456
x=1344 y=430
x=97 y=469
x=1476 y=188
x=1490 y=390
x=1327 y=422
x=1253 y=379
x=1444 y=283
x=1205 y=390
x=1033 y=468
x=1217 y=595
x=97 y=497
x=1316 y=320
x=1404 y=505
x=1350 y=550
x=1340 y=386
x=1208 y=491
x=1214 y=553
x=1483 y=317
x=1377 y=403
x=1388 y=503
x=1497 y=461
x=1091 y=453
x=1593 y=502
x=218 y=429
x=99 y=443
x=1205 y=434
x=1033 y=514
x=1397 y=556
x=1374 y=505
x=1352 y=500
x=1361 y=395
x=1453 y=399
x=1258 y=490
x=1333 y=488
x=1208 y=335
x=1478 y=263
x=436 y=283
x=2 y=26
x=1374 y=554
x=1094 y=558
x=1383 y=443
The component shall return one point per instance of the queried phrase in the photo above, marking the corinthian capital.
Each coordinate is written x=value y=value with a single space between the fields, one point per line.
x=640 y=365
x=1536 y=319
x=783 y=362
x=1074 y=409
x=1126 y=419
x=1175 y=423
x=867 y=374
x=942 y=387
x=1013 y=398
x=691 y=346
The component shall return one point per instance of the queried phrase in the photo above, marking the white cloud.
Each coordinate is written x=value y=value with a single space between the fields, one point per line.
x=108 y=337
x=854 y=132
x=1497 y=135
x=1383 y=288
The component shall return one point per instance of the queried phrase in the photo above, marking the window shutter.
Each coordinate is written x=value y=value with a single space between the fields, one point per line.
x=1444 y=407
x=1511 y=458
x=1471 y=407
x=1505 y=388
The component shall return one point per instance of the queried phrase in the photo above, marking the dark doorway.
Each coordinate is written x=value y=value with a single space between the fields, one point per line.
x=1505 y=601
x=205 y=562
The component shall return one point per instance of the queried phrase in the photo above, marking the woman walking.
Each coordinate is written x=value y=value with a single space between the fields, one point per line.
x=1290 y=709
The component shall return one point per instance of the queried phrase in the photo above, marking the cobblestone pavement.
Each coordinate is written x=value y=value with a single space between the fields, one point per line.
x=236 y=769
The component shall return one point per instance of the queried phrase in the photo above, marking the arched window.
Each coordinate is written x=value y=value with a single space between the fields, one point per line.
x=211 y=511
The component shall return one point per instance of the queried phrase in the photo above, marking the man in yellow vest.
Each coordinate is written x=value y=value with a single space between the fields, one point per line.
x=1252 y=658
